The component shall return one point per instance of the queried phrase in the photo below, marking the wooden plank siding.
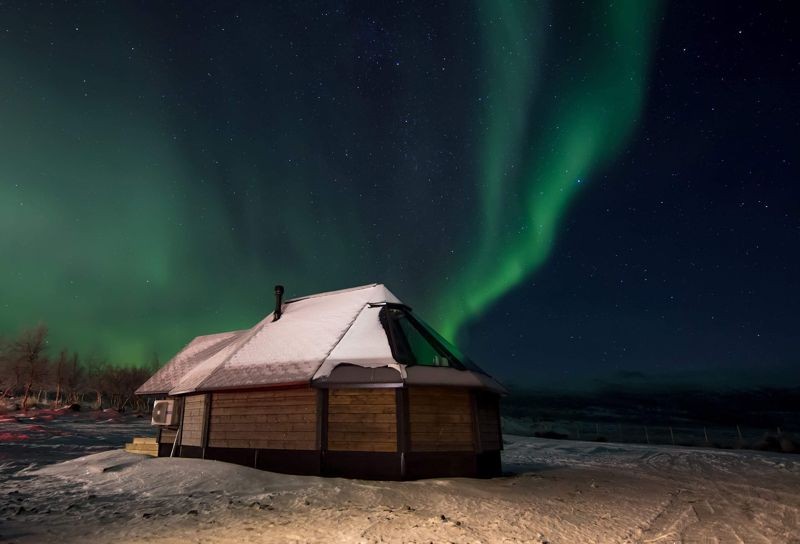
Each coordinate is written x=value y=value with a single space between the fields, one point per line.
x=440 y=419
x=167 y=435
x=489 y=421
x=193 y=412
x=270 y=419
x=362 y=420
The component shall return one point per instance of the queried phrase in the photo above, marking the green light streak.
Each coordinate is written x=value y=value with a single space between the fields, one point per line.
x=575 y=123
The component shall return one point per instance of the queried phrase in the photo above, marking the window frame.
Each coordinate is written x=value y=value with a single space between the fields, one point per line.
x=391 y=334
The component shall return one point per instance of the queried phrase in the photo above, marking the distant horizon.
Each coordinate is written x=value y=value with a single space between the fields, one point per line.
x=676 y=381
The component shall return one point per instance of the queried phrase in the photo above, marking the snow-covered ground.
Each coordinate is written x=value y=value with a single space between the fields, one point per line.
x=42 y=437
x=556 y=491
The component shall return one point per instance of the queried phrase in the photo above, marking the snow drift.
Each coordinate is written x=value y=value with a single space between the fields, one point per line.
x=555 y=492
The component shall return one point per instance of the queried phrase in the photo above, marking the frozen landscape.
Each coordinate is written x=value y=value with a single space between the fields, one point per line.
x=554 y=491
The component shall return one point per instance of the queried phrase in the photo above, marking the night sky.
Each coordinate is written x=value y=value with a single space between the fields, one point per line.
x=580 y=193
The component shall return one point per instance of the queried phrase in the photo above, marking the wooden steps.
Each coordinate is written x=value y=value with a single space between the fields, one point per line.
x=143 y=445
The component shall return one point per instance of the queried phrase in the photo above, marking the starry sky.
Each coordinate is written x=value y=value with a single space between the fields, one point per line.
x=578 y=193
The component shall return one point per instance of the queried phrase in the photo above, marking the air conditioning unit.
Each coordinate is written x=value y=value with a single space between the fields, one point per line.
x=165 y=412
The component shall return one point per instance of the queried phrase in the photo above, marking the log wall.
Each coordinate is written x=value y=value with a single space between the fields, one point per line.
x=167 y=435
x=270 y=419
x=193 y=412
x=489 y=421
x=362 y=420
x=440 y=419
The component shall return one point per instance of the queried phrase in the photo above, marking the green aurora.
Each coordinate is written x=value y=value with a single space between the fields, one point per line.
x=546 y=137
x=148 y=195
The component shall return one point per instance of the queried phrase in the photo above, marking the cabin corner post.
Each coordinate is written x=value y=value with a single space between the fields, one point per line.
x=401 y=400
x=477 y=441
x=322 y=427
x=180 y=401
x=206 y=423
x=499 y=422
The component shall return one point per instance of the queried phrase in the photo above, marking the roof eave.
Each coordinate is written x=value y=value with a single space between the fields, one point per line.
x=240 y=387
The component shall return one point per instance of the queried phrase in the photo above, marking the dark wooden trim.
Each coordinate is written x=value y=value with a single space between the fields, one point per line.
x=322 y=421
x=206 y=422
x=359 y=464
x=499 y=421
x=403 y=434
x=305 y=462
x=401 y=421
x=407 y=419
x=366 y=465
x=268 y=387
x=488 y=464
x=237 y=456
x=392 y=385
x=477 y=442
x=179 y=433
x=191 y=452
x=441 y=464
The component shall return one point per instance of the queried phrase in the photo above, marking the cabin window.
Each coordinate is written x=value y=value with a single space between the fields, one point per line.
x=412 y=343
x=419 y=350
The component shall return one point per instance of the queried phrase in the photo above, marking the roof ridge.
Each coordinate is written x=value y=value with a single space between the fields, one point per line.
x=258 y=327
x=218 y=334
x=334 y=292
x=215 y=345
x=339 y=340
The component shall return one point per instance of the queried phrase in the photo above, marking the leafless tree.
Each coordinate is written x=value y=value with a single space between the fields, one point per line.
x=29 y=359
x=129 y=379
x=58 y=374
x=25 y=368
x=96 y=381
x=11 y=368
x=5 y=369
x=74 y=375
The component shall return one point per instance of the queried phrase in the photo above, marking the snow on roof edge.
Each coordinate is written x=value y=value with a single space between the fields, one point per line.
x=243 y=341
x=167 y=367
x=184 y=386
x=263 y=322
x=335 y=292
x=200 y=366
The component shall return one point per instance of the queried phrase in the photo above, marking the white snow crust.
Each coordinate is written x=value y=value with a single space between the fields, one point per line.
x=555 y=491
x=289 y=350
x=364 y=344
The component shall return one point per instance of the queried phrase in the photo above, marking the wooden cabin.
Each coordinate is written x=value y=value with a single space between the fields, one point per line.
x=347 y=383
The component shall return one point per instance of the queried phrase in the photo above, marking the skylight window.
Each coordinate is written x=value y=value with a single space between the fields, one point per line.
x=413 y=342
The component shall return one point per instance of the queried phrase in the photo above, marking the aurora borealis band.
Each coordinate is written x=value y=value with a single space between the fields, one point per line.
x=545 y=133
x=553 y=184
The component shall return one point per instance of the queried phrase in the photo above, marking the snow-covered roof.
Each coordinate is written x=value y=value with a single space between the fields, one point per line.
x=198 y=350
x=314 y=335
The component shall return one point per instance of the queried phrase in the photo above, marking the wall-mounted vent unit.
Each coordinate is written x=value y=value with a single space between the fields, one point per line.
x=165 y=412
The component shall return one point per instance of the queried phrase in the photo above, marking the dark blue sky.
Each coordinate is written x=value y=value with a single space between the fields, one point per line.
x=679 y=262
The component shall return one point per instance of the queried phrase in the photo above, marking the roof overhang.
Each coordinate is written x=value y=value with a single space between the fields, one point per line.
x=353 y=375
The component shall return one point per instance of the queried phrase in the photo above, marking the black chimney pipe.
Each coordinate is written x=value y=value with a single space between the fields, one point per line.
x=278 y=302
